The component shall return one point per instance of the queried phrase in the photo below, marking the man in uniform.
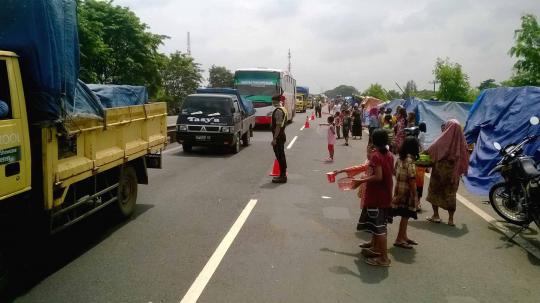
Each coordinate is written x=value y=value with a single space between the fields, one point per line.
x=279 y=118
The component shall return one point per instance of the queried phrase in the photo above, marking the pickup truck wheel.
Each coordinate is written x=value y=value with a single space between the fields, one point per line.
x=245 y=139
x=127 y=191
x=236 y=146
x=187 y=148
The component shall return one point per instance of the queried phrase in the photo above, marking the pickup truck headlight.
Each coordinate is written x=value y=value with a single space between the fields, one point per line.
x=181 y=127
x=226 y=129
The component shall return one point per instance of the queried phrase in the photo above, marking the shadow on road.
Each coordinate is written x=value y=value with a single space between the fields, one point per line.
x=42 y=258
x=205 y=152
x=441 y=228
x=367 y=273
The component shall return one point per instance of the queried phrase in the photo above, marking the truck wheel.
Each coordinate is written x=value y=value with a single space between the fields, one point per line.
x=245 y=139
x=187 y=148
x=236 y=146
x=127 y=191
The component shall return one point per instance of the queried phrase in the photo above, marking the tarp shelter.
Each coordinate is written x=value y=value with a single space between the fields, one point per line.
x=499 y=115
x=433 y=113
x=370 y=102
x=44 y=35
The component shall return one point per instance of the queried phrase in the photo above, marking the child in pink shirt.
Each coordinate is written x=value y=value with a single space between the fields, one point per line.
x=331 y=136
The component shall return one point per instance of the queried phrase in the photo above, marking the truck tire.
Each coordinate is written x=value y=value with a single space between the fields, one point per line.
x=127 y=191
x=245 y=138
x=236 y=145
x=187 y=148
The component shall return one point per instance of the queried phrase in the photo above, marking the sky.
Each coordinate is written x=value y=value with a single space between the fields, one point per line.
x=351 y=42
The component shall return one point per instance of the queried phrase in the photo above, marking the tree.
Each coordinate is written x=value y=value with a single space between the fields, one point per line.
x=221 y=77
x=181 y=76
x=454 y=84
x=344 y=90
x=410 y=90
x=489 y=83
x=393 y=94
x=527 y=51
x=376 y=90
x=116 y=47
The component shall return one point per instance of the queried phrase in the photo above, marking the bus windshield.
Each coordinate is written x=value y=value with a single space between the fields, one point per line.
x=257 y=83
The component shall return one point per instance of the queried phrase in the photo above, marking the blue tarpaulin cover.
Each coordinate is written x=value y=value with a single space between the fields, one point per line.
x=44 y=34
x=433 y=113
x=499 y=115
x=119 y=95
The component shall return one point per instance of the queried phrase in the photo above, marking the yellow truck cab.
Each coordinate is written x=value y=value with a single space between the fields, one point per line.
x=300 y=104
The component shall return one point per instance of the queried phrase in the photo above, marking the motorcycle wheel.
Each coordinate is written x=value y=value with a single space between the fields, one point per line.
x=505 y=206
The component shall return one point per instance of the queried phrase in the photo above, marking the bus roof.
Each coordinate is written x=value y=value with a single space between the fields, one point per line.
x=259 y=69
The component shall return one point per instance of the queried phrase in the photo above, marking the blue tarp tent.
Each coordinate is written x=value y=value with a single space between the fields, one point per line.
x=435 y=113
x=499 y=115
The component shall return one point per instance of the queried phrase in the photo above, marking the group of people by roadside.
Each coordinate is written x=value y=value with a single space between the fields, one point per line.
x=394 y=182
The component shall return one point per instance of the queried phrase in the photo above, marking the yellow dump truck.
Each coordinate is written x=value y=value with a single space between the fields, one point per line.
x=58 y=174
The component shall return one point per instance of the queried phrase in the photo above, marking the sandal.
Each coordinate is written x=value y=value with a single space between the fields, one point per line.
x=377 y=262
x=368 y=253
x=365 y=245
x=433 y=220
x=451 y=224
x=412 y=242
x=403 y=245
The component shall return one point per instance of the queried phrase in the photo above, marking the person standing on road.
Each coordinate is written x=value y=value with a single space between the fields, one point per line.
x=347 y=123
x=279 y=118
x=376 y=210
x=450 y=160
x=399 y=128
x=331 y=137
x=338 y=121
x=318 y=109
x=356 y=122
x=405 y=201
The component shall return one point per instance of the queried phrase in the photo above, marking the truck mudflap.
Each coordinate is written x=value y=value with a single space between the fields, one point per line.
x=154 y=160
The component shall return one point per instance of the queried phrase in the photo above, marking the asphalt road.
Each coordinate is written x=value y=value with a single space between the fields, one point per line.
x=298 y=244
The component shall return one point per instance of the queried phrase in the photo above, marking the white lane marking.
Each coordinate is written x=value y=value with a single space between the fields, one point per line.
x=302 y=128
x=326 y=197
x=498 y=225
x=202 y=280
x=172 y=149
x=292 y=142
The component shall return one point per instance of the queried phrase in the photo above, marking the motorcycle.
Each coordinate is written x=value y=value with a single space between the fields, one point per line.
x=517 y=198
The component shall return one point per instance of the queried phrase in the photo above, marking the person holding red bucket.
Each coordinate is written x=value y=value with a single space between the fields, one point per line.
x=376 y=210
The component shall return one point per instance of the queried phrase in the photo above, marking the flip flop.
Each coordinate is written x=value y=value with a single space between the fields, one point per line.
x=403 y=245
x=412 y=242
x=430 y=219
x=376 y=262
x=368 y=253
x=365 y=245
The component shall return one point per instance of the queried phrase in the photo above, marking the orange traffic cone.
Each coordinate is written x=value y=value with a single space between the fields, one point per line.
x=312 y=116
x=276 y=171
x=306 y=125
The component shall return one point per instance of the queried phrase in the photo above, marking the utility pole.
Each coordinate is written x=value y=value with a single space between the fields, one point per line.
x=188 y=44
x=434 y=82
x=289 y=61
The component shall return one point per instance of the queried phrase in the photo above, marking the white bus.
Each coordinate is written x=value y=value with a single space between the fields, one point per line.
x=260 y=84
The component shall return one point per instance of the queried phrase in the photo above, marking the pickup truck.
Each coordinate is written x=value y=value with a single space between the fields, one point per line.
x=214 y=119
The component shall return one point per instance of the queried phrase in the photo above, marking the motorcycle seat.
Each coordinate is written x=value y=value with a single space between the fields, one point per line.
x=529 y=169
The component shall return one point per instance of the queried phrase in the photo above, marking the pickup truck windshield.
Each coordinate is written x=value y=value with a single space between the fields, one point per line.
x=207 y=106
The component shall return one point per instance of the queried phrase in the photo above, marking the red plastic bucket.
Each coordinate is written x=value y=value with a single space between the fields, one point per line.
x=345 y=183
x=331 y=176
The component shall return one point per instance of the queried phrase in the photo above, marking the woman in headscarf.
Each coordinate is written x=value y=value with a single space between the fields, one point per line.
x=450 y=160
x=357 y=122
x=399 y=128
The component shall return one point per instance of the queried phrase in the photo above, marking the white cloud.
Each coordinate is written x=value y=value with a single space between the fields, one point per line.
x=343 y=42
